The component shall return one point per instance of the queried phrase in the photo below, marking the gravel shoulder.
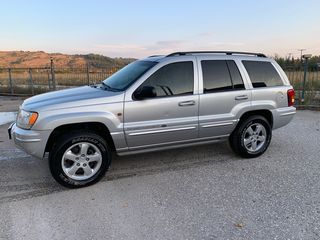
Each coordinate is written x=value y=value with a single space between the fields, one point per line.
x=203 y=192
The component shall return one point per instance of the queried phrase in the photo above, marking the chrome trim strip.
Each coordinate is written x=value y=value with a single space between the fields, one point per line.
x=217 y=124
x=161 y=131
x=122 y=149
x=288 y=113
x=27 y=140
x=116 y=133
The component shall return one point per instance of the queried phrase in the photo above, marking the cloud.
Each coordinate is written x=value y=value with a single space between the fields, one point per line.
x=226 y=43
x=206 y=34
x=136 y=50
x=119 y=47
x=173 y=43
x=163 y=47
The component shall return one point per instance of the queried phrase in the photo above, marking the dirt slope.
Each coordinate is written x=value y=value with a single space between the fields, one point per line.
x=26 y=59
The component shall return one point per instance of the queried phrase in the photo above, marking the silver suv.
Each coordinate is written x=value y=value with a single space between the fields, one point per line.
x=160 y=102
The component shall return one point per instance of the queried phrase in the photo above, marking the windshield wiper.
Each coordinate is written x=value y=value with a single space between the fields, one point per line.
x=107 y=87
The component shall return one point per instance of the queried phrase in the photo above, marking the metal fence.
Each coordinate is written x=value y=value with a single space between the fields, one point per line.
x=32 y=81
x=308 y=91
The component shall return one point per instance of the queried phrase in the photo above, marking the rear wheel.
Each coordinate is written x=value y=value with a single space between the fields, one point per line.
x=252 y=137
x=79 y=159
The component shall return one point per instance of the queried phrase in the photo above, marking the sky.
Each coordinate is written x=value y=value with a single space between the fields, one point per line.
x=139 y=28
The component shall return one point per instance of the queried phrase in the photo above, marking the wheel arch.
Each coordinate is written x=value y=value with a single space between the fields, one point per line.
x=262 y=112
x=96 y=127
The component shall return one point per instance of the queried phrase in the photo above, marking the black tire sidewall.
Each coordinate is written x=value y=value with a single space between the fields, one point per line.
x=242 y=149
x=59 y=149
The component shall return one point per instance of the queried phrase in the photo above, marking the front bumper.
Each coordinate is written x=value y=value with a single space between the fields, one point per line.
x=32 y=142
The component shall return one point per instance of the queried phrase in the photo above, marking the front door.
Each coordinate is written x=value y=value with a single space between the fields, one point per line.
x=169 y=117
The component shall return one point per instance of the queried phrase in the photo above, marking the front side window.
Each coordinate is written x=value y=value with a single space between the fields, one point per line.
x=262 y=74
x=220 y=75
x=172 y=80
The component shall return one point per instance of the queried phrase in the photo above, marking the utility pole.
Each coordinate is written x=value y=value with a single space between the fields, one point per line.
x=301 y=50
x=305 y=57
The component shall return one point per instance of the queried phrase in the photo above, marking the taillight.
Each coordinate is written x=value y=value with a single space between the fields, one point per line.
x=290 y=94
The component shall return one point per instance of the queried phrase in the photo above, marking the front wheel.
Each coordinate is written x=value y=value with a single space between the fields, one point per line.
x=79 y=159
x=252 y=137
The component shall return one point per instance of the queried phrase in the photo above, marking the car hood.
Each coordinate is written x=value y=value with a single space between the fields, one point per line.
x=74 y=97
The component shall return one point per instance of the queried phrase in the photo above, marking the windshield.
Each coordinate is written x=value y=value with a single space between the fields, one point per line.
x=126 y=76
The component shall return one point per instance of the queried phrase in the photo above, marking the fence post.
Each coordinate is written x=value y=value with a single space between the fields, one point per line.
x=10 y=81
x=53 y=77
x=31 y=81
x=49 y=79
x=88 y=77
x=304 y=79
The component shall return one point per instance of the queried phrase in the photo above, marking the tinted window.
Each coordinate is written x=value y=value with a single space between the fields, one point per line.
x=216 y=76
x=172 y=79
x=235 y=75
x=262 y=74
x=128 y=75
x=220 y=75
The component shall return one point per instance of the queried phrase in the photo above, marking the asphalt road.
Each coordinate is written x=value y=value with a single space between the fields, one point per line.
x=201 y=192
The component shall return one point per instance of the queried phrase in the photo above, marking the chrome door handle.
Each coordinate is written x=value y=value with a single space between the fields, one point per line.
x=241 y=97
x=186 y=103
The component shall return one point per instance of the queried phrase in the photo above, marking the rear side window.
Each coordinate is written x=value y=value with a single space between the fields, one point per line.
x=172 y=79
x=220 y=75
x=262 y=74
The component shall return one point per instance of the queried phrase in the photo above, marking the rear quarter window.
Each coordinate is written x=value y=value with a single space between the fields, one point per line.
x=262 y=74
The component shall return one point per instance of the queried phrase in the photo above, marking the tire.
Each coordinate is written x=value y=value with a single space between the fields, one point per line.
x=79 y=159
x=252 y=137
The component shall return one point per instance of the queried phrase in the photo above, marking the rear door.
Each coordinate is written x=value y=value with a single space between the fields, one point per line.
x=268 y=85
x=223 y=94
x=170 y=117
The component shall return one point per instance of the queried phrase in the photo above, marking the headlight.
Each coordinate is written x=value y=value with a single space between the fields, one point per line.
x=26 y=119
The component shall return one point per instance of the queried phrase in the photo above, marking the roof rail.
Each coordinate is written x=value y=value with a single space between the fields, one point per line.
x=155 y=56
x=216 y=52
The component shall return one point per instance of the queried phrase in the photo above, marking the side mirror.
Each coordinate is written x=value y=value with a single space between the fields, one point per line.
x=145 y=92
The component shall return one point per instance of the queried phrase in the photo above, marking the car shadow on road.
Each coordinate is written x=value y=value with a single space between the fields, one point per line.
x=121 y=167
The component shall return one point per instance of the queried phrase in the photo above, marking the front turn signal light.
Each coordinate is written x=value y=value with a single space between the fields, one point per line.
x=33 y=118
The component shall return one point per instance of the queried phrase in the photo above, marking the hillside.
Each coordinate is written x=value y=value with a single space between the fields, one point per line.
x=26 y=59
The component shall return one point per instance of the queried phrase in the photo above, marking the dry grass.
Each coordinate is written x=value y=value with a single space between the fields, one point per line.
x=296 y=79
x=40 y=78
